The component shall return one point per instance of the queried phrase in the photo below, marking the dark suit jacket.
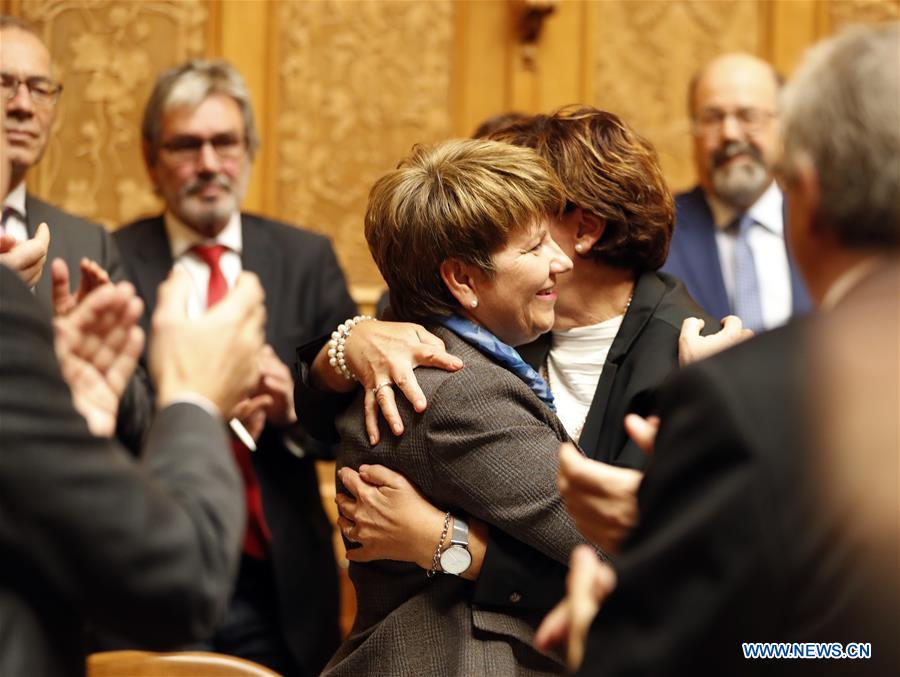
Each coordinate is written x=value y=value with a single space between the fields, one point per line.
x=89 y=535
x=71 y=239
x=486 y=447
x=306 y=296
x=643 y=354
x=734 y=543
x=694 y=257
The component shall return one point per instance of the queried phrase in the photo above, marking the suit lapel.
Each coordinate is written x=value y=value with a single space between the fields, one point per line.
x=35 y=214
x=261 y=256
x=153 y=263
x=698 y=238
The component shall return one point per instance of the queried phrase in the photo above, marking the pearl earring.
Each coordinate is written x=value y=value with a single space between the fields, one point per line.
x=473 y=303
x=579 y=247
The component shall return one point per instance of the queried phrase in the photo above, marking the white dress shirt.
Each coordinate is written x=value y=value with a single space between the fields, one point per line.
x=14 y=225
x=182 y=238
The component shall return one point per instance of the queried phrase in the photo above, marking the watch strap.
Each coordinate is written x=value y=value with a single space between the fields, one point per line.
x=460 y=533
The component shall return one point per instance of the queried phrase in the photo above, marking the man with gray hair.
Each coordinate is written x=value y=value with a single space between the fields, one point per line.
x=729 y=243
x=756 y=549
x=199 y=140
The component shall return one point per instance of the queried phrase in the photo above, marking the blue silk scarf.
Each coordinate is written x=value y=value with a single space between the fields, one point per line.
x=497 y=350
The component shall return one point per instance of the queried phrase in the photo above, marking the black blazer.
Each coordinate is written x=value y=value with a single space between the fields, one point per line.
x=643 y=354
x=734 y=545
x=88 y=535
x=306 y=296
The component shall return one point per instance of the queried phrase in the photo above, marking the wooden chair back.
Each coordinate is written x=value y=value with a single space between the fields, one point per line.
x=176 y=664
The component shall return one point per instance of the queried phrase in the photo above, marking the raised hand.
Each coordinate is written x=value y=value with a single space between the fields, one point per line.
x=214 y=355
x=26 y=257
x=98 y=345
x=589 y=583
x=693 y=347
x=601 y=498
x=92 y=277
x=277 y=383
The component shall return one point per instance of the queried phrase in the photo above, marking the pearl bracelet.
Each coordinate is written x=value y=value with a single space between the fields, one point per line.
x=336 y=345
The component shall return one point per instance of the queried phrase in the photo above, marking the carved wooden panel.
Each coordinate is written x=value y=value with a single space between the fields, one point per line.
x=844 y=12
x=107 y=54
x=359 y=84
x=646 y=53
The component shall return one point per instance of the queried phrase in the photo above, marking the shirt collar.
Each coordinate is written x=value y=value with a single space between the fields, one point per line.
x=182 y=238
x=16 y=199
x=767 y=211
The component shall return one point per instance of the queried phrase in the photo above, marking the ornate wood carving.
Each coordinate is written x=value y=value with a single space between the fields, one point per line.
x=844 y=12
x=360 y=83
x=107 y=54
x=646 y=55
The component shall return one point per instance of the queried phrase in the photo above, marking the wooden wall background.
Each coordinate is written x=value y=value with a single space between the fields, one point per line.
x=343 y=88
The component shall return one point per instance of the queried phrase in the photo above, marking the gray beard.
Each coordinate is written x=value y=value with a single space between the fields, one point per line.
x=209 y=221
x=739 y=186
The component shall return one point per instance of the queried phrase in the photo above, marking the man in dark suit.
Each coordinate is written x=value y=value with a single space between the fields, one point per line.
x=729 y=245
x=30 y=96
x=746 y=534
x=199 y=140
x=89 y=535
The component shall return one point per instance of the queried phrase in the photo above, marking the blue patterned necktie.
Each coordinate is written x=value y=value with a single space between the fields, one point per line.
x=747 y=302
x=503 y=354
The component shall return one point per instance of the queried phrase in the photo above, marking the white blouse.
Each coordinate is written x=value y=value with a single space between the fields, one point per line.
x=573 y=369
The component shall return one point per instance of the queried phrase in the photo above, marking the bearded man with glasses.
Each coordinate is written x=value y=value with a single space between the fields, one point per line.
x=34 y=232
x=199 y=141
x=729 y=243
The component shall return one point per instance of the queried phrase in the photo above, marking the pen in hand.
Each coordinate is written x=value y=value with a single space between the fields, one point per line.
x=242 y=434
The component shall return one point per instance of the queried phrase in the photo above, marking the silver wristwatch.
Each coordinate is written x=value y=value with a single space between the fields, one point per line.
x=457 y=558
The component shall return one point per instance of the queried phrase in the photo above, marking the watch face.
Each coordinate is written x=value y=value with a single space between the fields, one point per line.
x=455 y=559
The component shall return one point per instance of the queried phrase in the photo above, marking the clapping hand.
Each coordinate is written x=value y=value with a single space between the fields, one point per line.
x=98 y=345
x=26 y=257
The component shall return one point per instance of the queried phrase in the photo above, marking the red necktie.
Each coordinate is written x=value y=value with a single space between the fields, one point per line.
x=257 y=536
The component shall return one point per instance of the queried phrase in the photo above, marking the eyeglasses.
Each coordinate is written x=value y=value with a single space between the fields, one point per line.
x=751 y=120
x=43 y=91
x=186 y=149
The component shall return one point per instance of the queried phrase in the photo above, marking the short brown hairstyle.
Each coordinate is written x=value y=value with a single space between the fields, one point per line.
x=608 y=169
x=459 y=199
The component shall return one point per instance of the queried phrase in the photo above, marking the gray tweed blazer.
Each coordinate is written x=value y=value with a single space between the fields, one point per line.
x=486 y=447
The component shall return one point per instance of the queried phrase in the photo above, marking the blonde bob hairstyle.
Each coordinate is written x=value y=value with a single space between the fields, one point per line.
x=461 y=200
